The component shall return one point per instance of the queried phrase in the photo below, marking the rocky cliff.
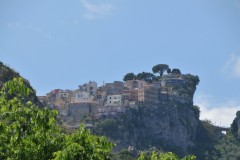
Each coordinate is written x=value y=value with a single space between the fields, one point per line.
x=170 y=124
x=166 y=126
x=235 y=127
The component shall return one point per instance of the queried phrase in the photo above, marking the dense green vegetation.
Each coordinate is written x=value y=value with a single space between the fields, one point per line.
x=28 y=132
x=164 y=156
x=150 y=155
x=146 y=76
x=211 y=144
x=228 y=148
x=129 y=76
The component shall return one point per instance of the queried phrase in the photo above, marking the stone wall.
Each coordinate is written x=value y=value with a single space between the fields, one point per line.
x=79 y=110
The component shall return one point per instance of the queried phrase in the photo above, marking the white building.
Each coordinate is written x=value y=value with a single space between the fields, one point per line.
x=114 y=100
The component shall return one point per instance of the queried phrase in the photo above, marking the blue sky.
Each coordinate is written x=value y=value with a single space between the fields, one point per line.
x=61 y=44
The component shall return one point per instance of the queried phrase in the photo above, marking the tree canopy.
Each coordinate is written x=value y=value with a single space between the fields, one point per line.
x=29 y=132
x=129 y=76
x=169 y=71
x=176 y=71
x=160 y=68
x=192 y=80
x=164 y=156
x=146 y=76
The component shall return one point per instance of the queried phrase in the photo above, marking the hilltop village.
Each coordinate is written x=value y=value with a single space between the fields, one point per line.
x=113 y=98
x=142 y=111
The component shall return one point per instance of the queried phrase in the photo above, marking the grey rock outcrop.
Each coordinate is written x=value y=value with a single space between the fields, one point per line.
x=168 y=126
x=235 y=127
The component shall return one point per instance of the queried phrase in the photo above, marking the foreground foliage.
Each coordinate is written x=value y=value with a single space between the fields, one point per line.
x=27 y=132
x=164 y=156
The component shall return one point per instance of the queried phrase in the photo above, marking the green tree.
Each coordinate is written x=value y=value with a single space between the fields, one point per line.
x=146 y=76
x=192 y=80
x=83 y=145
x=160 y=68
x=129 y=76
x=176 y=71
x=227 y=148
x=28 y=132
x=164 y=156
x=169 y=71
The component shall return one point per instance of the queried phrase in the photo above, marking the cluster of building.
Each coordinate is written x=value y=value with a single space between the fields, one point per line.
x=110 y=97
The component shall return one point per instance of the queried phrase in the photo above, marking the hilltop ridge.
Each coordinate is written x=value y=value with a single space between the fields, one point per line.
x=7 y=74
x=115 y=97
x=144 y=110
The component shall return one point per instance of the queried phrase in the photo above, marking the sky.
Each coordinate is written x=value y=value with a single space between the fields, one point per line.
x=65 y=43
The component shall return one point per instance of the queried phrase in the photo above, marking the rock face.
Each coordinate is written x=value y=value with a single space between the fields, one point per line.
x=171 y=124
x=168 y=126
x=235 y=127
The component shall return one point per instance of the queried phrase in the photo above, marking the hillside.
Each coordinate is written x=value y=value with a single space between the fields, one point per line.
x=165 y=120
x=214 y=146
x=7 y=74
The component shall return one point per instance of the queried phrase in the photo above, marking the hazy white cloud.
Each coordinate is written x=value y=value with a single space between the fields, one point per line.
x=40 y=30
x=221 y=115
x=96 y=10
x=30 y=26
x=232 y=66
